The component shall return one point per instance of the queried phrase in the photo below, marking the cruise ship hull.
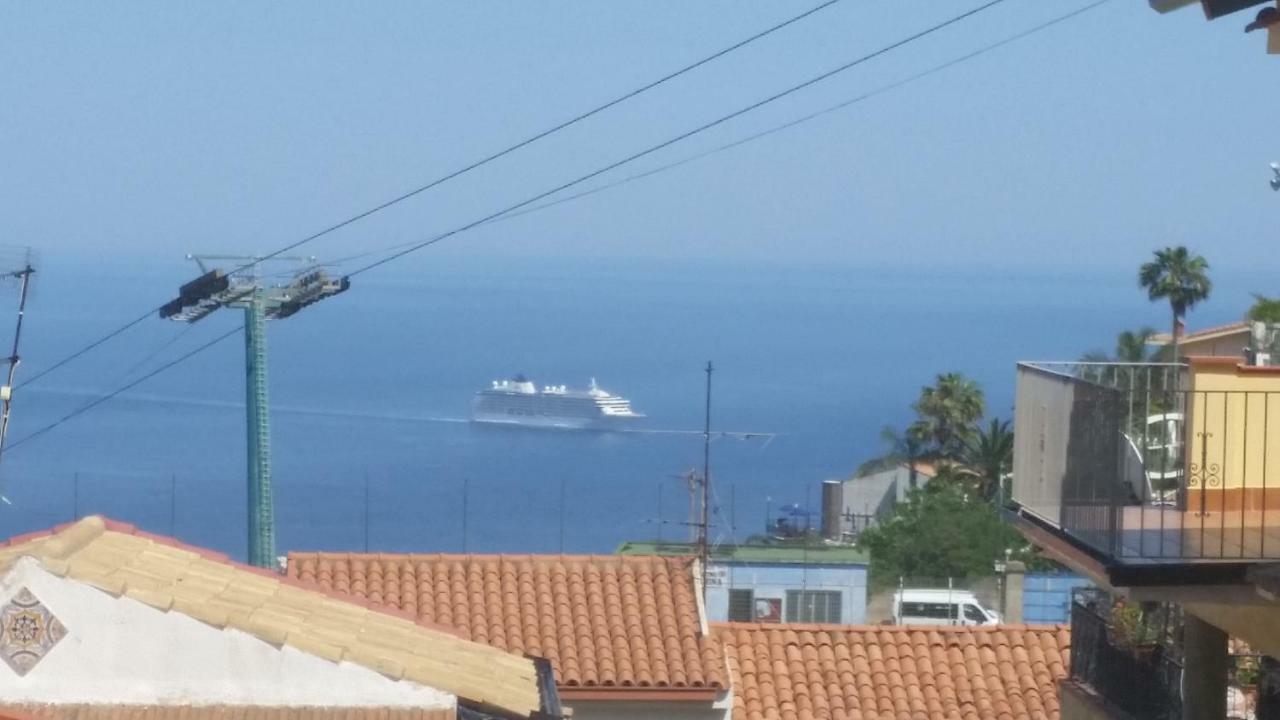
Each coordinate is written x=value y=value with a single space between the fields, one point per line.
x=559 y=423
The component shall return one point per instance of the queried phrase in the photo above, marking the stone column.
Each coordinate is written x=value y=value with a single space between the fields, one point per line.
x=1204 y=671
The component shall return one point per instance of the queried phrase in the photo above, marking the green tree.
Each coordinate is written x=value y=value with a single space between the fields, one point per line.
x=989 y=453
x=940 y=531
x=948 y=411
x=1178 y=276
x=1264 y=309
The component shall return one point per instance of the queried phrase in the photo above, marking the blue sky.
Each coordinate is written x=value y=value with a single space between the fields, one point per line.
x=148 y=130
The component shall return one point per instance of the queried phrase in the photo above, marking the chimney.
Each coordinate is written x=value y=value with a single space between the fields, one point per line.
x=1015 y=575
x=832 y=508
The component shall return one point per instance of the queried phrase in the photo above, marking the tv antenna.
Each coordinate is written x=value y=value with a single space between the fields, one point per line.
x=6 y=391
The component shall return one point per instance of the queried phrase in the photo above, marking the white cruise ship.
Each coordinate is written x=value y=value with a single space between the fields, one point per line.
x=520 y=402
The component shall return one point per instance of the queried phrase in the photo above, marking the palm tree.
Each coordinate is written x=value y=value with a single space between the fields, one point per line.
x=1178 y=276
x=948 y=411
x=990 y=454
x=1131 y=347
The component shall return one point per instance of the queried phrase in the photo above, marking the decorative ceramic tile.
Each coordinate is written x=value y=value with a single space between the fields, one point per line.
x=28 y=631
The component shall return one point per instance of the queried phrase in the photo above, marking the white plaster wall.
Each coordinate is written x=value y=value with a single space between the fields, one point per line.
x=118 y=650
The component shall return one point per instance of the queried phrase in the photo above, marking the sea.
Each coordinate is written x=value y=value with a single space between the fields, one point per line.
x=370 y=393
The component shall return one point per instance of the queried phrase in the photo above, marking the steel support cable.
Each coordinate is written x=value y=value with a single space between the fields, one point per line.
x=682 y=136
x=762 y=134
x=461 y=171
x=124 y=388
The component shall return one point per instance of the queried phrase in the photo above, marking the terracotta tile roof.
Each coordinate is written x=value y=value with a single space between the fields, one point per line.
x=220 y=712
x=803 y=672
x=169 y=576
x=1226 y=329
x=604 y=621
x=924 y=467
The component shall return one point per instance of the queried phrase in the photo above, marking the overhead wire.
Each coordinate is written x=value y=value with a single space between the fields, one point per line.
x=124 y=388
x=682 y=136
x=461 y=171
x=177 y=337
x=418 y=246
x=759 y=135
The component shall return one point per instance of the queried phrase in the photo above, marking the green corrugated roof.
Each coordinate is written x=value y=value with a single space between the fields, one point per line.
x=830 y=555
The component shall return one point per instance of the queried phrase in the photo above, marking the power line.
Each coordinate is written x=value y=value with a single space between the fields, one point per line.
x=418 y=246
x=98 y=401
x=89 y=348
x=764 y=133
x=814 y=115
x=690 y=133
x=461 y=171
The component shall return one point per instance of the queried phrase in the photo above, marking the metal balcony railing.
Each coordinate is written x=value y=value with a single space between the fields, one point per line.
x=1139 y=464
x=1141 y=677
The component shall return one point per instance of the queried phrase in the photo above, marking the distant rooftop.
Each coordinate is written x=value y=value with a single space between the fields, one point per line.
x=820 y=555
x=1203 y=334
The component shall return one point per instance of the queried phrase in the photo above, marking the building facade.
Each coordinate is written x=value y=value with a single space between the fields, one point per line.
x=866 y=499
x=778 y=584
x=1160 y=484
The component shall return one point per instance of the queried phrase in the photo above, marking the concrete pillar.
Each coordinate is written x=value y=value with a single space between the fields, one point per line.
x=1015 y=573
x=1204 y=673
x=832 y=508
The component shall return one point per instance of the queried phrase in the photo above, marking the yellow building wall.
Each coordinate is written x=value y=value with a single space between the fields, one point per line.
x=1233 y=433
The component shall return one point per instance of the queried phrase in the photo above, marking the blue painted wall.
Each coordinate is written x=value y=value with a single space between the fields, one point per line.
x=1046 y=597
x=773 y=580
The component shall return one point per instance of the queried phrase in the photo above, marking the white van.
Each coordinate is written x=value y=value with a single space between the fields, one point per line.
x=940 y=607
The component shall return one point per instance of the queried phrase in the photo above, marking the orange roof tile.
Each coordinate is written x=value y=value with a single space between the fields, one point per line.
x=604 y=621
x=218 y=712
x=805 y=672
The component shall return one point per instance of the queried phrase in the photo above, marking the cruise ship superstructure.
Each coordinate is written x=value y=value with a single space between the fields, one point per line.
x=520 y=402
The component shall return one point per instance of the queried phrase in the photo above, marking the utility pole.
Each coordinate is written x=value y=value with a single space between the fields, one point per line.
x=244 y=289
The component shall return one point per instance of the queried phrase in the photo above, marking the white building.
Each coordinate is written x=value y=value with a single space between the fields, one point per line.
x=98 y=620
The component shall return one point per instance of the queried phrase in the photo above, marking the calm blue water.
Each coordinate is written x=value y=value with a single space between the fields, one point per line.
x=368 y=390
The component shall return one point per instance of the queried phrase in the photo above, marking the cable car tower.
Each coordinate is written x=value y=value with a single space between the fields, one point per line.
x=245 y=288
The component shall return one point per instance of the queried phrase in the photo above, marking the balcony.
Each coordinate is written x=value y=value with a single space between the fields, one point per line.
x=1140 y=676
x=1151 y=464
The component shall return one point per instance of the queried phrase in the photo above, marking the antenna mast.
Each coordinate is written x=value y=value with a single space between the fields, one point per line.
x=704 y=526
x=6 y=392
